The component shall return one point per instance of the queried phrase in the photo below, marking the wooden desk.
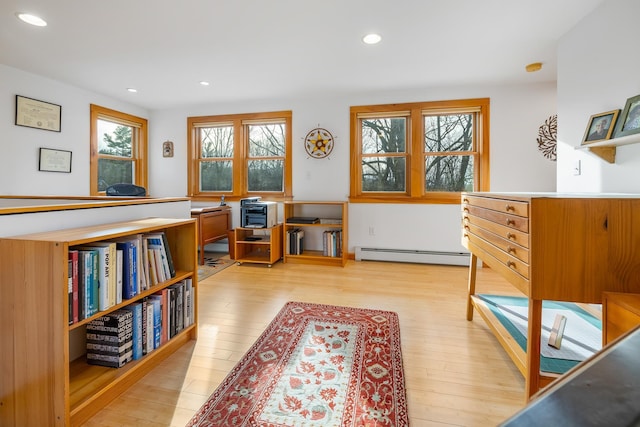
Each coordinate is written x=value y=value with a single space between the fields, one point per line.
x=213 y=223
x=602 y=391
x=551 y=246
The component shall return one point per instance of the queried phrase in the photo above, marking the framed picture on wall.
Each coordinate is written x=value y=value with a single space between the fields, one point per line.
x=54 y=160
x=38 y=114
x=600 y=127
x=629 y=122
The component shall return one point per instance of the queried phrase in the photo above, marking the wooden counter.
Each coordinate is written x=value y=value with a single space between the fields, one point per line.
x=213 y=223
x=551 y=246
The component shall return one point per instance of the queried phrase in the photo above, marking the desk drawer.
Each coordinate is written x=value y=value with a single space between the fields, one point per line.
x=519 y=237
x=500 y=218
x=508 y=260
x=498 y=205
x=505 y=245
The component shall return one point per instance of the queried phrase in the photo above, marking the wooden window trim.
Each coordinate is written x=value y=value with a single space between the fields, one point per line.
x=240 y=158
x=415 y=152
x=139 y=149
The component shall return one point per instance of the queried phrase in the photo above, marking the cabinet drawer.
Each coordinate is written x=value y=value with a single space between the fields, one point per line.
x=511 y=262
x=500 y=205
x=510 y=234
x=505 y=245
x=508 y=220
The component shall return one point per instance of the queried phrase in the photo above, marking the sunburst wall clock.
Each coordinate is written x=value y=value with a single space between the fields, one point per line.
x=318 y=143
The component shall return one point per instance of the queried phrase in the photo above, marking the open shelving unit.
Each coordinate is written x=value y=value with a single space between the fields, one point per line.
x=332 y=215
x=606 y=150
x=258 y=245
x=47 y=384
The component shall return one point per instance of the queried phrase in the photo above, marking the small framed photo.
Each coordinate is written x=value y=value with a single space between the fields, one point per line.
x=629 y=122
x=38 y=114
x=600 y=127
x=54 y=160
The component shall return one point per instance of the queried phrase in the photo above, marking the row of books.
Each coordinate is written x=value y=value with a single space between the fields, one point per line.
x=332 y=243
x=294 y=244
x=103 y=274
x=136 y=330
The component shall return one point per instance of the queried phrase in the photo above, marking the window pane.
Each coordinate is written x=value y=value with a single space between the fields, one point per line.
x=383 y=174
x=384 y=135
x=216 y=176
x=448 y=133
x=216 y=142
x=266 y=140
x=114 y=172
x=114 y=139
x=265 y=175
x=449 y=173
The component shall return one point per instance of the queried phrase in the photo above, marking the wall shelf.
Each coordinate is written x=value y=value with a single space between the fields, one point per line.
x=606 y=150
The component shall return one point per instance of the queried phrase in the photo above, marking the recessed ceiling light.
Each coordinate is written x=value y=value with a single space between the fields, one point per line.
x=132 y=90
x=372 y=38
x=31 y=19
x=532 y=68
x=203 y=83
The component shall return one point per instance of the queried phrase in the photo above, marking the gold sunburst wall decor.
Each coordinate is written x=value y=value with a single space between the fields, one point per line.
x=318 y=143
x=547 y=137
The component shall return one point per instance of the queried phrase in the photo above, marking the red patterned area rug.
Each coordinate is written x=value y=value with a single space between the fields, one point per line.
x=315 y=365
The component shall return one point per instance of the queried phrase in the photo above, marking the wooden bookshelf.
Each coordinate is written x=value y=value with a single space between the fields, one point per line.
x=46 y=387
x=332 y=215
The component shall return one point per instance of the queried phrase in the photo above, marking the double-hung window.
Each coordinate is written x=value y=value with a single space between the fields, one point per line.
x=239 y=155
x=419 y=152
x=118 y=149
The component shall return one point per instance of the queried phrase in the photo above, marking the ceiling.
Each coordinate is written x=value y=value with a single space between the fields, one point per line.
x=257 y=49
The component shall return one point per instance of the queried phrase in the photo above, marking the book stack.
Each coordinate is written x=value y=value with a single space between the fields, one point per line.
x=110 y=339
x=332 y=243
x=295 y=241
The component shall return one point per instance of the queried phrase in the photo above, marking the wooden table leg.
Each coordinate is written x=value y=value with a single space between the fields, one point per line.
x=532 y=380
x=473 y=263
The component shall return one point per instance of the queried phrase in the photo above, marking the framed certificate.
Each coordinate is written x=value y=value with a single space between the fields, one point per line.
x=37 y=114
x=54 y=160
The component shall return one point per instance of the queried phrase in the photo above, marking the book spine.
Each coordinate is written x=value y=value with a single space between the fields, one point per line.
x=119 y=270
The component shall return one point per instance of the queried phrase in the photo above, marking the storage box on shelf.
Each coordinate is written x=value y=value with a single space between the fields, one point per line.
x=258 y=245
x=43 y=381
x=322 y=228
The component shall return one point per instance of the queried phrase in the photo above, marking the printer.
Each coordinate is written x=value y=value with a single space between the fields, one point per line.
x=258 y=214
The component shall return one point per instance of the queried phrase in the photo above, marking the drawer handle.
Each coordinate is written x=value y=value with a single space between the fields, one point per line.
x=465 y=235
x=465 y=209
x=511 y=264
x=511 y=236
x=510 y=208
x=511 y=250
x=511 y=221
x=465 y=200
x=466 y=227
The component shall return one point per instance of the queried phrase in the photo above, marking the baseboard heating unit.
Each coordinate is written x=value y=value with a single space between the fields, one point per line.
x=408 y=255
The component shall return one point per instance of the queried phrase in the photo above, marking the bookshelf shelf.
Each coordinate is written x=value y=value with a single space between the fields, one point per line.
x=332 y=215
x=606 y=150
x=41 y=351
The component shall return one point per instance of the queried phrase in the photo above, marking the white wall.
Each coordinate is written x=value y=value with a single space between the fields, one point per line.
x=598 y=65
x=20 y=145
x=516 y=163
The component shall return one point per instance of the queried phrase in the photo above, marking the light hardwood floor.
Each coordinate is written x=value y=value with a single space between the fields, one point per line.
x=457 y=374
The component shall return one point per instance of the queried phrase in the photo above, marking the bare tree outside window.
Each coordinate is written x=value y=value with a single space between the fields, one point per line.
x=216 y=153
x=265 y=165
x=448 y=145
x=384 y=142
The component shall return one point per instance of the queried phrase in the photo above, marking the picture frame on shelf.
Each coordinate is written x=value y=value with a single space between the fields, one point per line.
x=629 y=122
x=600 y=127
